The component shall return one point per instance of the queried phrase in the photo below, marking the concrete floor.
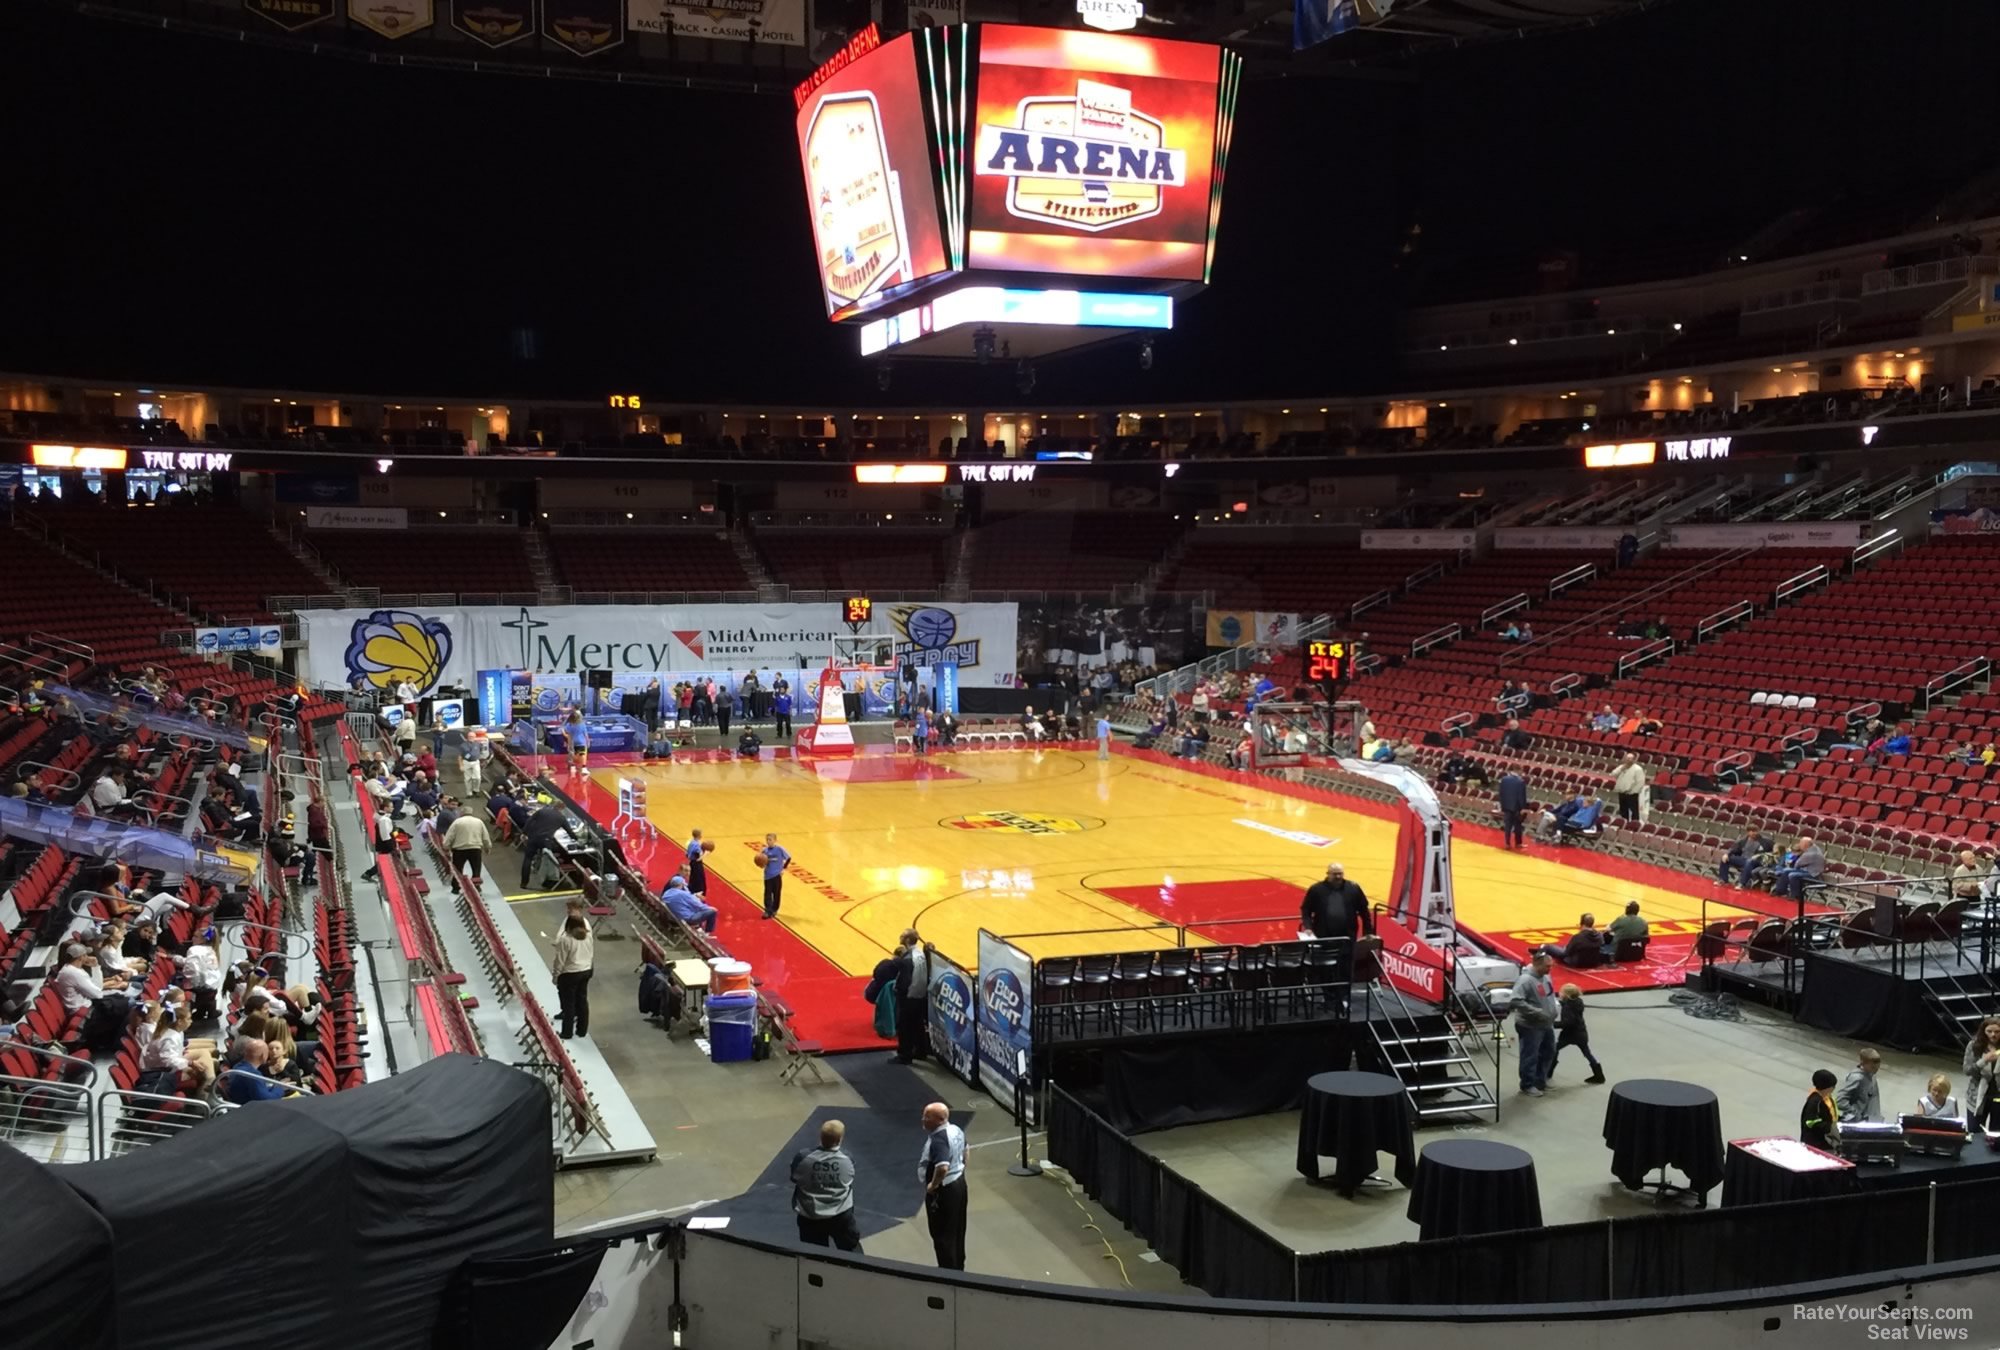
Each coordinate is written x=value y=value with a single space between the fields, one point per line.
x=1760 y=1068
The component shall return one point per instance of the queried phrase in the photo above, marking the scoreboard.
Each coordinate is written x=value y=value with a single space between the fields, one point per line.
x=1328 y=661
x=859 y=610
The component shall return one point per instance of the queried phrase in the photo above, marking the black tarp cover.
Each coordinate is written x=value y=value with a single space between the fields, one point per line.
x=55 y=1260
x=366 y=1203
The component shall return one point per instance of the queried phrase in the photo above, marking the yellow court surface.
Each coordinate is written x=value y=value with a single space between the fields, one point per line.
x=1052 y=848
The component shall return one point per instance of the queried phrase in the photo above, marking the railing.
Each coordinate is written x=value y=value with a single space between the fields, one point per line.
x=1888 y=542
x=28 y=660
x=50 y=1119
x=1368 y=602
x=1428 y=573
x=65 y=780
x=1456 y=724
x=1729 y=766
x=1504 y=608
x=1368 y=663
x=1804 y=581
x=1561 y=685
x=1974 y=671
x=673 y=597
x=1797 y=743
x=1624 y=605
x=1860 y=713
x=1576 y=576
x=1939 y=273
x=128 y=1119
x=1437 y=637
x=64 y=645
x=1724 y=617
x=1646 y=655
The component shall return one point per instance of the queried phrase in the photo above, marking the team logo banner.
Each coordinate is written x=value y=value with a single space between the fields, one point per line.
x=494 y=23
x=954 y=1017
x=779 y=21
x=292 y=15
x=585 y=27
x=262 y=641
x=382 y=647
x=392 y=18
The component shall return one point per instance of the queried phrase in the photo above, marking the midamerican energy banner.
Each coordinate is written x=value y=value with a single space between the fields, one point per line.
x=585 y=27
x=779 y=21
x=494 y=23
x=429 y=647
x=392 y=18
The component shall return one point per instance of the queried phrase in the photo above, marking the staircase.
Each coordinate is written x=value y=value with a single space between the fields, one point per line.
x=958 y=572
x=308 y=557
x=1959 y=1000
x=768 y=591
x=1157 y=573
x=1422 y=1046
x=548 y=586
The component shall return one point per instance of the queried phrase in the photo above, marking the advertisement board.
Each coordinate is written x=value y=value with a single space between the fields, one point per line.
x=1559 y=540
x=496 y=698
x=1093 y=153
x=954 y=1017
x=779 y=21
x=381 y=647
x=1005 y=1028
x=1408 y=962
x=1437 y=540
x=357 y=518
x=870 y=178
x=262 y=639
x=1777 y=534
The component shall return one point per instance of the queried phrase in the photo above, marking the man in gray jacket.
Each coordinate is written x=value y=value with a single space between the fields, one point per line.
x=1804 y=864
x=1860 y=1096
x=823 y=1192
x=1535 y=1014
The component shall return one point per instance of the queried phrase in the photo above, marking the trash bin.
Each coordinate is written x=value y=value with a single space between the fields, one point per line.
x=732 y=1027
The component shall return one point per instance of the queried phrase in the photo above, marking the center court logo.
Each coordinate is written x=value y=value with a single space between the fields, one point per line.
x=1021 y=822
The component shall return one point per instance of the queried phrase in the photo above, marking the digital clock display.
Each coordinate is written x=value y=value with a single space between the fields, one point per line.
x=859 y=609
x=1326 y=660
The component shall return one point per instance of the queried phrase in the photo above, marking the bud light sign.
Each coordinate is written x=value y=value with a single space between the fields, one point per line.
x=1005 y=1027
x=953 y=1018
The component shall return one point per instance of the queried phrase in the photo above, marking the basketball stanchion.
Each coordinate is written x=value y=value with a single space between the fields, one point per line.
x=1026 y=1167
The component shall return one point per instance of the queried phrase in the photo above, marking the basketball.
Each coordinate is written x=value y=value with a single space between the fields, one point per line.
x=763 y=859
x=708 y=846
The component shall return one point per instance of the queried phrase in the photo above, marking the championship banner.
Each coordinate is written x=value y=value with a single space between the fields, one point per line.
x=292 y=15
x=494 y=23
x=1314 y=21
x=261 y=641
x=953 y=1016
x=584 y=27
x=1005 y=1020
x=936 y=13
x=1231 y=627
x=392 y=18
x=770 y=21
x=381 y=647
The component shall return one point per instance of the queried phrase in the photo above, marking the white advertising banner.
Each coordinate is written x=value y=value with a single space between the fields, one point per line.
x=1005 y=1030
x=357 y=518
x=1603 y=540
x=779 y=21
x=1777 y=534
x=1437 y=540
x=450 y=646
x=262 y=640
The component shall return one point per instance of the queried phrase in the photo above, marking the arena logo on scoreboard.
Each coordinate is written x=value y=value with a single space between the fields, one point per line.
x=1090 y=161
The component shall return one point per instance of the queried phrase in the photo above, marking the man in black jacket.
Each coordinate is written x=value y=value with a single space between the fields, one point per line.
x=1334 y=907
x=1513 y=805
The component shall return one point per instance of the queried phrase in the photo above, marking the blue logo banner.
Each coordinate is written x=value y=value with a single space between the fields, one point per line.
x=953 y=1015
x=1314 y=21
x=946 y=695
x=496 y=698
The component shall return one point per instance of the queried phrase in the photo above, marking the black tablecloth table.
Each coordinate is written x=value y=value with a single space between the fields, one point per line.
x=1750 y=1180
x=1350 y=1117
x=1468 y=1186
x=1656 y=1122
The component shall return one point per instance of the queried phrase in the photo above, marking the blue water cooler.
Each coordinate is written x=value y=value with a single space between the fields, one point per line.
x=732 y=1027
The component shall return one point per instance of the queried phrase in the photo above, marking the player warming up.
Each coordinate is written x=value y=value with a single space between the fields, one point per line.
x=774 y=860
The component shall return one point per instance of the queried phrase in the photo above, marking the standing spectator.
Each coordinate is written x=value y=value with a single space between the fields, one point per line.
x=576 y=736
x=1513 y=795
x=722 y=698
x=1805 y=864
x=1820 y=1113
x=753 y=697
x=538 y=835
x=574 y=955
x=384 y=834
x=1982 y=1072
x=920 y=732
x=1630 y=785
x=1103 y=736
x=648 y=710
x=1535 y=1014
x=823 y=1191
x=1745 y=856
x=781 y=709
x=697 y=864
x=942 y=1170
x=774 y=860
x=468 y=841
x=913 y=1000
x=1573 y=1031
x=319 y=839
x=1860 y=1095
x=947 y=730
x=471 y=751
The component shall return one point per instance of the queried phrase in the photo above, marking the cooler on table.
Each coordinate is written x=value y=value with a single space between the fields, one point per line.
x=729 y=976
x=732 y=1027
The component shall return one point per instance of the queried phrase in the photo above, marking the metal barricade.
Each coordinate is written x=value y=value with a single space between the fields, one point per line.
x=128 y=1119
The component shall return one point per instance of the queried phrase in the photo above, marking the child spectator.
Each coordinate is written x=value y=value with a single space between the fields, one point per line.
x=1571 y=1030
x=1819 y=1115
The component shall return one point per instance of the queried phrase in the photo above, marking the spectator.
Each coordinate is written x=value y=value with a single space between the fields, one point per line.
x=1937 y=1101
x=1982 y=1072
x=913 y=1000
x=468 y=841
x=1031 y=725
x=245 y=1080
x=1606 y=720
x=1535 y=1014
x=77 y=981
x=1804 y=865
x=1513 y=795
x=1630 y=926
x=1630 y=785
x=1860 y=1095
x=1640 y=723
x=1745 y=857
x=1572 y=1030
x=1817 y=1116
x=319 y=839
x=142 y=941
x=1585 y=947
x=384 y=835
x=686 y=906
x=1511 y=633
x=823 y=1191
x=574 y=957
x=947 y=730
x=1384 y=751
x=472 y=752
x=1574 y=818
x=1968 y=876
x=1515 y=739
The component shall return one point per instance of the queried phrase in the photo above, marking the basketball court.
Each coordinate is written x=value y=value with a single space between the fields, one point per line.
x=1065 y=854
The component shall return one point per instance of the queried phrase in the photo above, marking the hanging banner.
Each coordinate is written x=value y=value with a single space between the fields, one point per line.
x=1796 y=534
x=1277 y=629
x=1314 y=21
x=584 y=27
x=1559 y=540
x=496 y=698
x=946 y=694
x=936 y=14
x=1231 y=627
x=768 y=21
x=381 y=647
x=1440 y=540
x=392 y=18
x=292 y=15
x=357 y=517
x=1005 y=1019
x=494 y=23
x=263 y=641
x=953 y=1016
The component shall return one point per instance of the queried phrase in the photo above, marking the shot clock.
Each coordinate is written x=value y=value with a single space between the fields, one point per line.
x=1327 y=660
x=859 y=610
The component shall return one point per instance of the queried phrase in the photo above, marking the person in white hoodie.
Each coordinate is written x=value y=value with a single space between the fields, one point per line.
x=1630 y=785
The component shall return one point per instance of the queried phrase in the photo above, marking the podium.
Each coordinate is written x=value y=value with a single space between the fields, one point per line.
x=632 y=808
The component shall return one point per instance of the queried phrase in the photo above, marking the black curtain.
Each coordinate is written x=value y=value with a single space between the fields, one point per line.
x=1198 y=1079
x=1861 y=1003
x=516 y=1302
x=1965 y=1226
x=1566 y=1263
x=1756 y=1246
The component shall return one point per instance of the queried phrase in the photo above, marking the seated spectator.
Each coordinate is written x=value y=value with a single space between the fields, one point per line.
x=1968 y=877
x=947 y=728
x=245 y=1079
x=1630 y=926
x=423 y=792
x=1380 y=751
x=686 y=906
x=142 y=941
x=77 y=982
x=749 y=744
x=1575 y=818
x=1511 y=633
x=1899 y=743
x=109 y=791
x=1460 y=767
x=1031 y=725
x=1585 y=947
x=1516 y=739
x=1802 y=866
x=1606 y=720
x=1744 y=857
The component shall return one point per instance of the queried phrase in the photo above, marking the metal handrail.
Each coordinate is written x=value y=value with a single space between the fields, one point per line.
x=1369 y=663
x=1804 y=581
x=1885 y=542
x=1437 y=637
x=1723 y=617
x=62 y=644
x=70 y=786
x=171 y=1115
x=1457 y=722
x=1965 y=672
x=1626 y=604
x=1368 y=602
x=1428 y=573
x=1504 y=608
x=1562 y=684
x=1861 y=712
x=284 y=950
x=1576 y=576
x=1652 y=651
x=21 y=656
x=1732 y=763
x=223 y=1104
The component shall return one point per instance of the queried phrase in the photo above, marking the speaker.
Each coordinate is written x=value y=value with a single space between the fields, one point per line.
x=909 y=674
x=597 y=679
